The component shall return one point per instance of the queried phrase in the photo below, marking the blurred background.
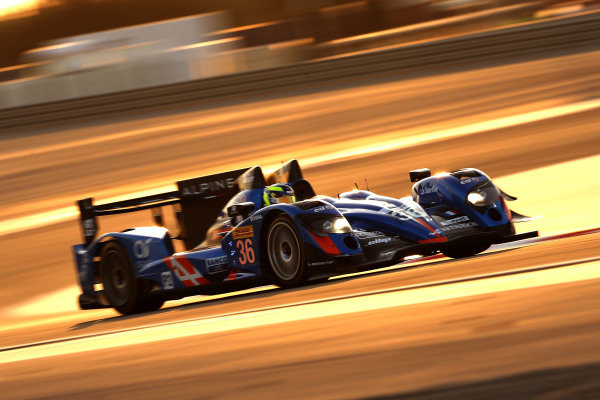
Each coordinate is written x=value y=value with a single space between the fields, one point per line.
x=114 y=99
x=64 y=49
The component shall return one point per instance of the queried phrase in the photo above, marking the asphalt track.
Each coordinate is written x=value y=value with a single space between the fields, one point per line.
x=455 y=326
x=441 y=329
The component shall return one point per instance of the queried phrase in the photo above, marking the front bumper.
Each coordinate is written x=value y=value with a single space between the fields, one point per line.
x=322 y=265
x=492 y=235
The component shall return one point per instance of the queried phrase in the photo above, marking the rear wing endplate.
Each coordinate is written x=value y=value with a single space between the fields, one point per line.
x=201 y=199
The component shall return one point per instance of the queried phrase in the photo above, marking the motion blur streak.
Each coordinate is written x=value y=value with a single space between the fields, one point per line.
x=102 y=139
x=321 y=309
x=479 y=127
x=8 y=7
x=556 y=208
x=65 y=213
x=49 y=217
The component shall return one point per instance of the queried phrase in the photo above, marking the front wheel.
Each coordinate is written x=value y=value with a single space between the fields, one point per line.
x=465 y=249
x=121 y=286
x=285 y=250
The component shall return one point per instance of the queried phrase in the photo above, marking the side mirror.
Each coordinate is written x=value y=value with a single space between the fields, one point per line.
x=418 y=174
x=243 y=209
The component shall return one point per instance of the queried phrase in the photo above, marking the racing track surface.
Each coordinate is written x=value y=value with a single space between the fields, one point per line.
x=521 y=333
x=455 y=332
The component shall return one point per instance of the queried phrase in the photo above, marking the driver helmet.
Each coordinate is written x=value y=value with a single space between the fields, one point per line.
x=278 y=193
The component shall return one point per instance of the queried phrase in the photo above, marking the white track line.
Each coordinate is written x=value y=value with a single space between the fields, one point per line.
x=479 y=127
x=59 y=215
x=363 y=302
x=61 y=305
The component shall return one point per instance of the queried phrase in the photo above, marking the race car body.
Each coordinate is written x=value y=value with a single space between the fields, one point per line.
x=137 y=269
x=460 y=214
x=469 y=208
x=388 y=229
x=232 y=241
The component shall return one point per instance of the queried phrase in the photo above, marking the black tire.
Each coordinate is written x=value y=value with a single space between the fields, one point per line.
x=465 y=250
x=121 y=286
x=149 y=305
x=285 y=254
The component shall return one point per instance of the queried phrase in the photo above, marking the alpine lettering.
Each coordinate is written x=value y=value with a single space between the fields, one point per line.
x=208 y=187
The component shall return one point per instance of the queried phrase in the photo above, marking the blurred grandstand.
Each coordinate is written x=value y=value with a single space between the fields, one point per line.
x=63 y=49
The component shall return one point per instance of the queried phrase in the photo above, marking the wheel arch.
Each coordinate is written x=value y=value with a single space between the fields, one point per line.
x=264 y=230
x=126 y=239
x=265 y=265
x=96 y=251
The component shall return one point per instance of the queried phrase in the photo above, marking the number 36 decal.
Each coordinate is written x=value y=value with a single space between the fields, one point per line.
x=246 y=251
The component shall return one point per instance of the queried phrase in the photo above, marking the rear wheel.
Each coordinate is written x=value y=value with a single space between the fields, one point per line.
x=287 y=265
x=121 y=286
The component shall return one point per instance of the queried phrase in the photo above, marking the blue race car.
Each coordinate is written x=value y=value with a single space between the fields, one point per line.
x=464 y=210
x=238 y=232
x=469 y=208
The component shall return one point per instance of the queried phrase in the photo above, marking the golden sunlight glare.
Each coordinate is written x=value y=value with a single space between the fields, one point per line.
x=8 y=7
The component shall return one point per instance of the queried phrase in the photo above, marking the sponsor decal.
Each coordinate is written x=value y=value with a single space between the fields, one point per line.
x=404 y=213
x=362 y=234
x=256 y=217
x=458 y=226
x=318 y=263
x=322 y=208
x=243 y=232
x=141 y=248
x=450 y=213
x=379 y=241
x=216 y=261
x=185 y=271
x=435 y=232
x=428 y=190
x=464 y=181
x=455 y=220
x=216 y=264
x=208 y=187
x=89 y=227
x=167 y=280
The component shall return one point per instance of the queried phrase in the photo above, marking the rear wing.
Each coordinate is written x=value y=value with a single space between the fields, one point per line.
x=291 y=173
x=200 y=199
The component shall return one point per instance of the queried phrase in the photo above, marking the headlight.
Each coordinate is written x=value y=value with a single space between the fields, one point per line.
x=485 y=195
x=341 y=225
x=477 y=198
x=321 y=225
